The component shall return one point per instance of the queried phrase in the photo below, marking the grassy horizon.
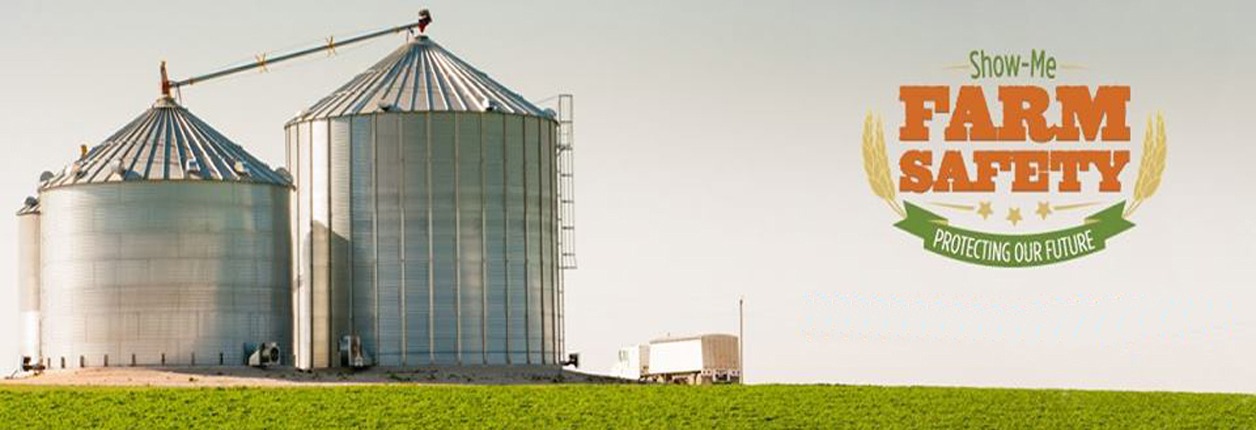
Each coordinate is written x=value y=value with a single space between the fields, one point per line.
x=617 y=406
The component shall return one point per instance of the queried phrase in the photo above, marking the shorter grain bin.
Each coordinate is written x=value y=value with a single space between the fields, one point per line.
x=167 y=244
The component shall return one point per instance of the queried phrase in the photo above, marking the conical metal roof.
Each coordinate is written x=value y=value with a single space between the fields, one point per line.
x=421 y=76
x=166 y=142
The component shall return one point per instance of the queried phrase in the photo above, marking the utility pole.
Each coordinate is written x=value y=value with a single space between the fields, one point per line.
x=741 y=337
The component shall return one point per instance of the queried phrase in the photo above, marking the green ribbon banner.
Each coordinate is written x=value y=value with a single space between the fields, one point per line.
x=1008 y=250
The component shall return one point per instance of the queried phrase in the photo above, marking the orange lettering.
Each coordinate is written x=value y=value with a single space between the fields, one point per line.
x=915 y=113
x=917 y=178
x=1016 y=114
x=1076 y=106
x=970 y=109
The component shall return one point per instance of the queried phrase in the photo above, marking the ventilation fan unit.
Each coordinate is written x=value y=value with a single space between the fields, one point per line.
x=266 y=354
x=351 y=354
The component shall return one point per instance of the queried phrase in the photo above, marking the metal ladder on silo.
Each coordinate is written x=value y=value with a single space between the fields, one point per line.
x=566 y=185
x=566 y=208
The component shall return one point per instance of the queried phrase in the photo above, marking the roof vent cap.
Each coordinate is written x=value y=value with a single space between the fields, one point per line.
x=283 y=173
x=116 y=166
x=192 y=167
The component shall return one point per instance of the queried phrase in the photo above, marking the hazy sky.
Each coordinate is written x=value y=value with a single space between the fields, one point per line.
x=718 y=156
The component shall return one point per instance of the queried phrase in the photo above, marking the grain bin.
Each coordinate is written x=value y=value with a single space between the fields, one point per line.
x=167 y=244
x=28 y=281
x=425 y=218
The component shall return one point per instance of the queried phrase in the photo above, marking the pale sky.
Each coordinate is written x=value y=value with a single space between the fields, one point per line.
x=718 y=156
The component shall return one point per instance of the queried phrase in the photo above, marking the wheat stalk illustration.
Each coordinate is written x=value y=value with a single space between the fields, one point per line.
x=877 y=164
x=1151 y=167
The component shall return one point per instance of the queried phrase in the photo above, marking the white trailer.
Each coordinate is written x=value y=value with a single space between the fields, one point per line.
x=705 y=359
x=631 y=362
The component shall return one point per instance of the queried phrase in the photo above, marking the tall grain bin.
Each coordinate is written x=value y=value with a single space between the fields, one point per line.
x=166 y=244
x=28 y=280
x=425 y=218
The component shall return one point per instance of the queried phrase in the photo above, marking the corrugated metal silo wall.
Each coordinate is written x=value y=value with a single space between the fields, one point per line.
x=28 y=283
x=442 y=236
x=182 y=272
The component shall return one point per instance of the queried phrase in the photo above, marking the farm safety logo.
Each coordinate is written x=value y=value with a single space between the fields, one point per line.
x=1011 y=169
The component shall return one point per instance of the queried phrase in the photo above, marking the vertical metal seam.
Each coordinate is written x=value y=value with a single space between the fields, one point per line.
x=553 y=226
x=401 y=204
x=553 y=242
x=527 y=257
x=484 y=281
x=553 y=245
x=559 y=331
x=457 y=237
x=304 y=195
x=375 y=232
x=506 y=234
x=540 y=226
x=304 y=319
x=431 y=262
x=540 y=203
x=295 y=243
x=293 y=228
x=334 y=347
x=331 y=287
x=560 y=274
x=302 y=282
x=351 y=260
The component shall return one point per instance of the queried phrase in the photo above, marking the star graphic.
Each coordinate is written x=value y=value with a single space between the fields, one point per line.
x=1044 y=209
x=984 y=210
x=1013 y=215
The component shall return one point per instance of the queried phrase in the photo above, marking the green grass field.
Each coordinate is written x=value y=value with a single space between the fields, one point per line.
x=616 y=406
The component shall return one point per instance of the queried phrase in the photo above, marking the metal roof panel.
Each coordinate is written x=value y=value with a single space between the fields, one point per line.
x=420 y=76
x=164 y=143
